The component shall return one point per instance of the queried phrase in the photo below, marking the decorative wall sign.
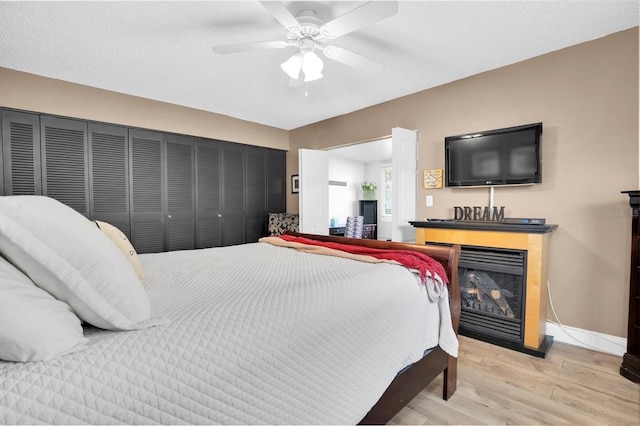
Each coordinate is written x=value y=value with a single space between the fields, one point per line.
x=295 y=184
x=477 y=213
x=433 y=179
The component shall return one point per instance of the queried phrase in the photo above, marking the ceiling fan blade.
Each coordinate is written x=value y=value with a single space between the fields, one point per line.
x=281 y=13
x=256 y=45
x=352 y=59
x=368 y=13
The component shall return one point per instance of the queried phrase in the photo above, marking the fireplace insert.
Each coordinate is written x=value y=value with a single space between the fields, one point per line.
x=492 y=287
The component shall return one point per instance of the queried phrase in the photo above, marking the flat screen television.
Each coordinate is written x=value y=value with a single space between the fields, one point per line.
x=509 y=156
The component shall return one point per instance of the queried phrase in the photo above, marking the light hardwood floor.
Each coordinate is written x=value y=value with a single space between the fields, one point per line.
x=572 y=385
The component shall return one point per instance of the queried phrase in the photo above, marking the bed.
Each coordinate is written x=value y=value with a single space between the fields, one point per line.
x=260 y=333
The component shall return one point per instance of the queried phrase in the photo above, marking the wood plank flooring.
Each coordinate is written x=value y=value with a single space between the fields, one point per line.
x=572 y=386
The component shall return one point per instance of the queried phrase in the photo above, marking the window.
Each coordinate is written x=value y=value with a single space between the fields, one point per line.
x=386 y=189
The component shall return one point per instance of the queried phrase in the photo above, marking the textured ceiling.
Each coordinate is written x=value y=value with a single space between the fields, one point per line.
x=162 y=50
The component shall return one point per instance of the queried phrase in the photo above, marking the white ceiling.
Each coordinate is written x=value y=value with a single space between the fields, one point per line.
x=162 y=50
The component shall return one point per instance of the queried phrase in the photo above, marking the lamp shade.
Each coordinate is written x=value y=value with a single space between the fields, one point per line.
x=292 y=66
x=312 y=66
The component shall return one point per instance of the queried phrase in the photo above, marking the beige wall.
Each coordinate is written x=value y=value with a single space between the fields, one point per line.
x=35 y=93
x=587 y=98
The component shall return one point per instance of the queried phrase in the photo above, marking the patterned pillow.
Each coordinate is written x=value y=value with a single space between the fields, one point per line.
x=124 y=245
x=279 y=223
x=355 y=225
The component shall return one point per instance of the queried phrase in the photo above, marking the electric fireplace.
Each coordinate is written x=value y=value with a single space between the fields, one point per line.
x=502 y=272
x=492 y=287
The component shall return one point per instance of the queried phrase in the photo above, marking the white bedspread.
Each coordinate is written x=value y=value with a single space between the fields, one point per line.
x=258 y=334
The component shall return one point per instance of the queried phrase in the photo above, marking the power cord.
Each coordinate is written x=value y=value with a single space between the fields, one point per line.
x=563 y=327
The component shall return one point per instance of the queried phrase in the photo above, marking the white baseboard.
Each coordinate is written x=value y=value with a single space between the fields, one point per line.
x=587 y=339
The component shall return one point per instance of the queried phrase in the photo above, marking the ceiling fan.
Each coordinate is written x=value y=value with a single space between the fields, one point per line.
x=308 y=33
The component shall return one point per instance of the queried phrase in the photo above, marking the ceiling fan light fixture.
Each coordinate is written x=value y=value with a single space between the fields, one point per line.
x=308 y=33
x=292 y=66
x=312 y=76
x=312 y=66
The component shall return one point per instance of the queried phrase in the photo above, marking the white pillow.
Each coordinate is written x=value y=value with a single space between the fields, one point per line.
x=67 y=255
x=34 y=326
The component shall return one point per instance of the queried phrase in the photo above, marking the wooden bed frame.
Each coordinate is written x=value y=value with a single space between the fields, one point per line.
x=413 y=380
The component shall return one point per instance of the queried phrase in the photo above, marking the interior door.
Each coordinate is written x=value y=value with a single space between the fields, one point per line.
x=65 y=175
x=233 y=193
x=180 y=222
x=313 y=170
x=255 y=192
x=208 y=193
x=147 y=191
x=276 y=182
x=21 y=147
x=404 y=159
x=108 y=175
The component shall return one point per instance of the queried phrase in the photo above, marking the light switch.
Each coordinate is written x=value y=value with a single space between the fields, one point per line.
x=429 y=200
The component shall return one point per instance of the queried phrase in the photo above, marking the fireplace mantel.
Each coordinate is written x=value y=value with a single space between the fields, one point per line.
x=484 y=226
x=534 y=239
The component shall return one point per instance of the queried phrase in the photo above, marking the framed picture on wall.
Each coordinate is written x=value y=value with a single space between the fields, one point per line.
x=295 y=184
x=433 y=179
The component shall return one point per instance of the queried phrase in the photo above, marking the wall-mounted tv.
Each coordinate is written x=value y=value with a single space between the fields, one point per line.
x=510 y=156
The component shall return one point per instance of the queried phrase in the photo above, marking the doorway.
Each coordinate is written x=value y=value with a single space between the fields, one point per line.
x=314 y=183
x=348 y=167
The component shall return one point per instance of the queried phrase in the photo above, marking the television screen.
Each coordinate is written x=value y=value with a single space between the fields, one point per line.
x=510 y=156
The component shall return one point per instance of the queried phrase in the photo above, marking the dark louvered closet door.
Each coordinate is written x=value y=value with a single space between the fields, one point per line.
x=233 y=231
x=147 y=200
x=108 y=171
x=213 y=191
x=180 y=212
x=256 y=193
x=65 y=175
x=276 y=185
x=208 y=211
x=21 y=163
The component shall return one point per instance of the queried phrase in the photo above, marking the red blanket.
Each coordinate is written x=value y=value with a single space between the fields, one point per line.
x=410 y=259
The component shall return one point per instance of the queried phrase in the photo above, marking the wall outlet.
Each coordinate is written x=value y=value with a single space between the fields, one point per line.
x=429 y=200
